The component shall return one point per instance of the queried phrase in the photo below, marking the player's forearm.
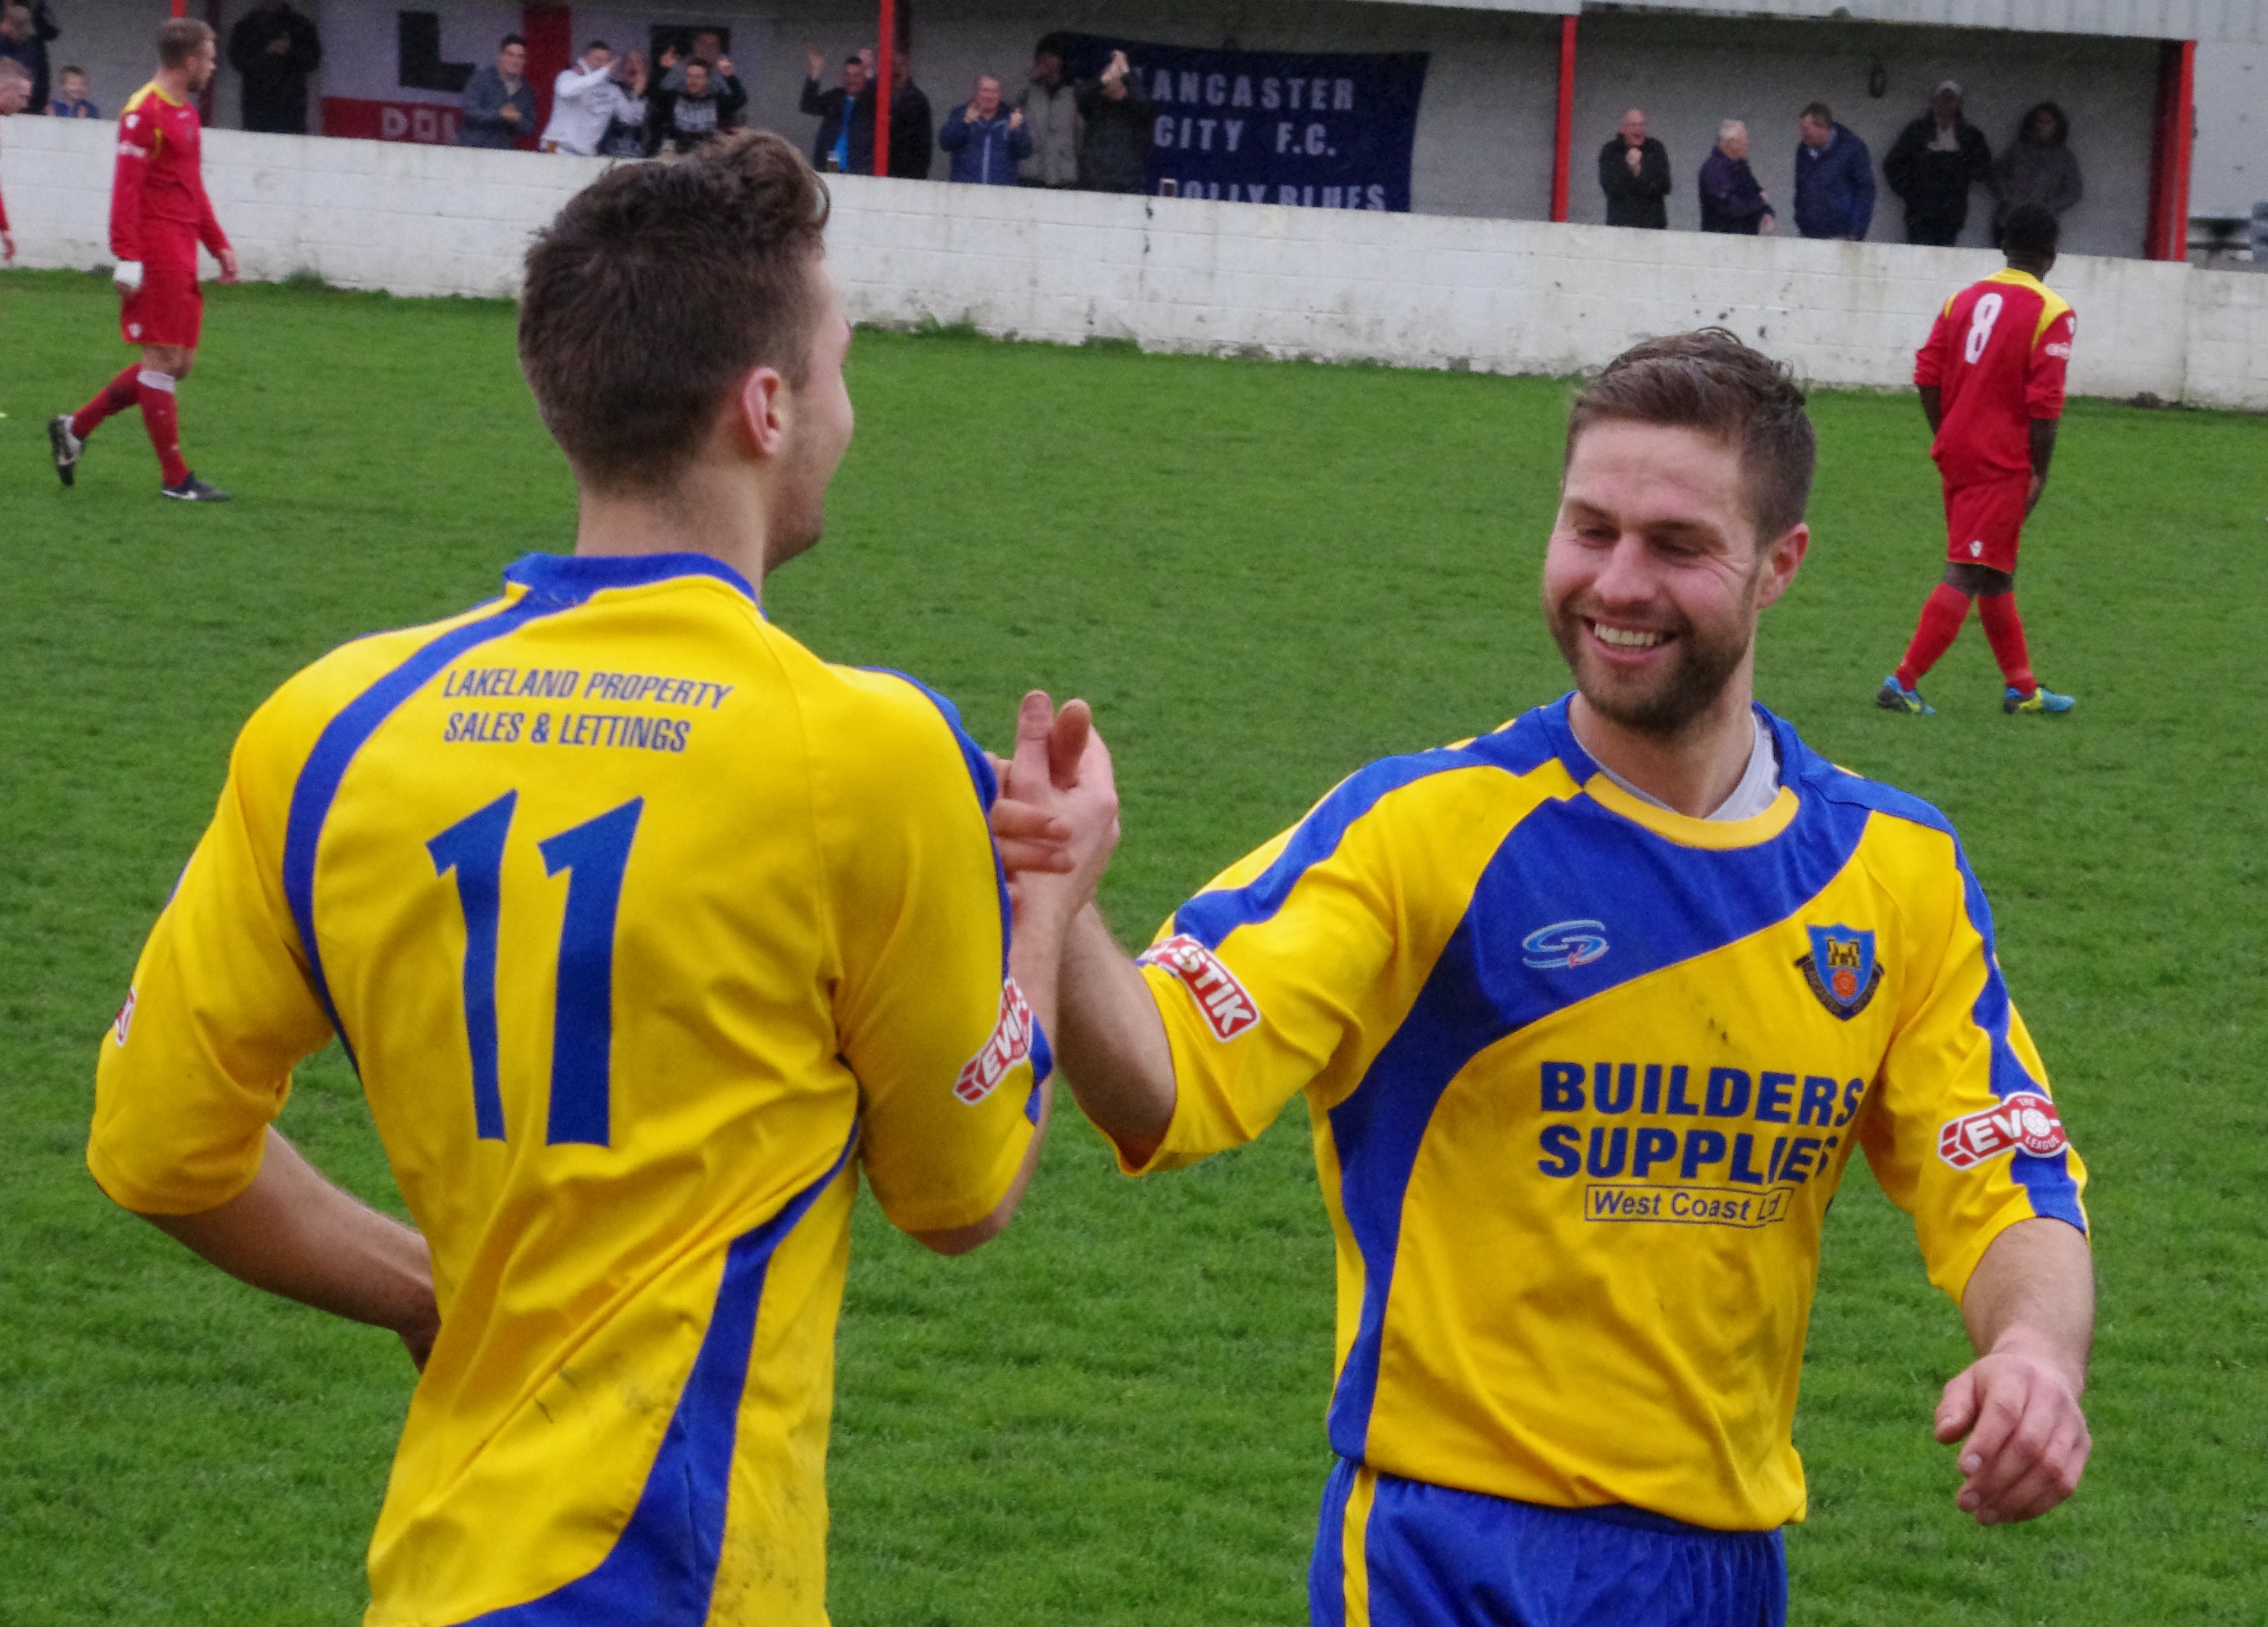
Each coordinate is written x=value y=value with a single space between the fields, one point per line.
x=2043 y=446
x=1112 y=1043
x=1932 y=406
x=2034 y=1294
x=293 y=1233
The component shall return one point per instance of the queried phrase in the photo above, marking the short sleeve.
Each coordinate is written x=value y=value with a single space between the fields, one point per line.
x=220 y=1009
x=1282 y=976
x=2050 y=361
x=1929 y=361
x=1961 y=1130
x=946 y=1055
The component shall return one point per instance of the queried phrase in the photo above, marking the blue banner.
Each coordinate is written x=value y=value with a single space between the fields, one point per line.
x=1317 y=129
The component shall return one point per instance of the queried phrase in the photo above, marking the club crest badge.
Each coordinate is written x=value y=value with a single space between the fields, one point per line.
x=1841 y=969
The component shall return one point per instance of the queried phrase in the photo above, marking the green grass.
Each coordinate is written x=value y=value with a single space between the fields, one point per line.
x=1263 y=575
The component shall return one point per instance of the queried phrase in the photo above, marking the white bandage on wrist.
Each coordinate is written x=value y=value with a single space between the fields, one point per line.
x=127 y=275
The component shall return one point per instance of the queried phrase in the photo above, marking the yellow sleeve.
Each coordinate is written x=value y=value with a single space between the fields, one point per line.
x=946 y=1055
x=199 y=1061
x=1294 y=967
x=1960 y=1131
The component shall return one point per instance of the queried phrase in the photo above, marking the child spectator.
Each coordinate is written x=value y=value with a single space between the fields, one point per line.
x=72 y=102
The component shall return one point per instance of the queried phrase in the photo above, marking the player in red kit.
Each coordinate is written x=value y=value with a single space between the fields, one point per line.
x=1991 y=380
x=158 y=215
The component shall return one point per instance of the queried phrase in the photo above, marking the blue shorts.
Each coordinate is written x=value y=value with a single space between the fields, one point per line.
x=1401 y=1553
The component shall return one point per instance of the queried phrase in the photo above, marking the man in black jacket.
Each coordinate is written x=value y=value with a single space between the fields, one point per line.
x=1113 y=148
x=1634 y=173
x=1934 y=162
x=913 y=127
x=272 y=49
x=845 y=142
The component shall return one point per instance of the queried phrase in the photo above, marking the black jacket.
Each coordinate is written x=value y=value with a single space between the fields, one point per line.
x=678 y=121
x=1935 y=185
x=1113 y=150
x=1635 y=200
x=913 y=134
x=275 y=83
x=826 y=106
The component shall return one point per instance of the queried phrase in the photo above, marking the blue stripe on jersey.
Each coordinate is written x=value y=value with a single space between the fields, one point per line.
x=662 y=1570
x=1327 y=1570
x=2047 y=1181
x=1662 y=903
x=988 y=792
x=1211 y=917
x=325 y=767
x=573 y=578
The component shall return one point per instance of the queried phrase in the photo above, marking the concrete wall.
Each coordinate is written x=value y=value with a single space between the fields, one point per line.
x=1177 y=274
x=2229 y=172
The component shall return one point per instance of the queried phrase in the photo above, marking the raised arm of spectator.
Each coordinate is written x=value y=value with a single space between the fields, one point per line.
x=581 y=85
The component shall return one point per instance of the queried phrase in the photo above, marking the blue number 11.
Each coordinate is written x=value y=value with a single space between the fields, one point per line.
x=596 y=855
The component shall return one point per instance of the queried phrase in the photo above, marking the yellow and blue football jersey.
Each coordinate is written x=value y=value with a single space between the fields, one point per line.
x=1583 y=1074
x=644 y=929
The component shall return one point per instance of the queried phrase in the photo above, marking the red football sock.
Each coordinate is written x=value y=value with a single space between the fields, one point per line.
x=2007 y=632
x=116 y=396
x=160 y=419
x=1942 y=616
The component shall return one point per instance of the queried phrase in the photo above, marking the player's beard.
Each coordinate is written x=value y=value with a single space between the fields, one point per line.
x=1662 y=703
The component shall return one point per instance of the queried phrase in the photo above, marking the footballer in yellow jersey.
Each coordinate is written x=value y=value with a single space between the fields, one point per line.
x=1584 y=1069
x=647 y=931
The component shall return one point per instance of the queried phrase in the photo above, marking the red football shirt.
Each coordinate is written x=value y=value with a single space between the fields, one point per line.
x=1998 y=353
x=157 y=204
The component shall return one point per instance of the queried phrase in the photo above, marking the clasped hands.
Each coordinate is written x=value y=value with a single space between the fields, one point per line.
x=1056 y=820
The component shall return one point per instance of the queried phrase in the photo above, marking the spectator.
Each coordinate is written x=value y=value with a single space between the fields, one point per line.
x=25 y=30
x=2038 y=168
x=1051 y=105
x=272 y=49
x=1731 y=200
x=625 y=136
x=912 y=126
x=1834 y=178
x=708 y=46
x=1634 y=173
x=682 y=120
x=1113 y=143
x=986 y=140
x=845 y=114
x=498 y=106
x=582 y=103
x=1932 y=164
x=15 y=96
x=72 y=103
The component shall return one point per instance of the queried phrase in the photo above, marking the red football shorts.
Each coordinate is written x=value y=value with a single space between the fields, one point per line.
x=169 y=308
x=1983 y=522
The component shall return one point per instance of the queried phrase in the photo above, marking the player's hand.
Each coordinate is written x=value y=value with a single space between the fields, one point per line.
x=126 y=274
x=1062 y=770
x=2026 y=1441
x=227 y=258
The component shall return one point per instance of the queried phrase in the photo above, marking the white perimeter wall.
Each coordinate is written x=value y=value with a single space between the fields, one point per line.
x=1180 y=274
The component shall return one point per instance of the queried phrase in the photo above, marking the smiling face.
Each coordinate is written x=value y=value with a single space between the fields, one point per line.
x=511 y=60
x=1654 y=573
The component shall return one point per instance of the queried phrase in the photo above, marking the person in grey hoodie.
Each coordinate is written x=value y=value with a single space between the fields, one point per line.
x=2037 y=167
x=1051 y=105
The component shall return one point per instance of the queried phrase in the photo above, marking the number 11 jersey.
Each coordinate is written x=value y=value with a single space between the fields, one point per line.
x=643 y=927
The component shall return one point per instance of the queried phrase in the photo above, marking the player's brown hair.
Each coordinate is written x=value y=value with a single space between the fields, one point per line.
x=656 y=289
x=1709 y=380
x=181 y=39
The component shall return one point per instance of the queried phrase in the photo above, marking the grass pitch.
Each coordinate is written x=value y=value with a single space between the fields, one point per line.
x=1262 y=576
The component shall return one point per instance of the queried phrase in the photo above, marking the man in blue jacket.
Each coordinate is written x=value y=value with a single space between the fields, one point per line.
x=499 y=105
x=987 y=141
x=1834 y=178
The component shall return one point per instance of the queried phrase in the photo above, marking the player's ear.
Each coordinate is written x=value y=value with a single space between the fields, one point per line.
x=760 y=410
x=1782 y=557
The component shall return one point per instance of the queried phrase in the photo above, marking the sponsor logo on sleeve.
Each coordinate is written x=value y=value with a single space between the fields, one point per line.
x=1229 y=1009
x=1011 y=1043
x=125 y=1019
x=2025 y=1120
x=1565 y=944
x=1841 y=969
